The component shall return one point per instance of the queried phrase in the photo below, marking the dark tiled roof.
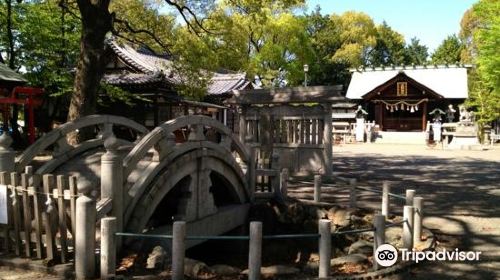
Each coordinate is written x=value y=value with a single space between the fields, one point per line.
x=223 y=83
x=154 y=69
x=134 y=78
x=9 y=75
x=145 y=63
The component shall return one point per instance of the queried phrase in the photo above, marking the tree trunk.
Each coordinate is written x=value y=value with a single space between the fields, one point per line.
x=10 y=36
x=96 y=23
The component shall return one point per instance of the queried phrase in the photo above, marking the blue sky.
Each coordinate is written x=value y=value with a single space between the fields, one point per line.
x=429 y=20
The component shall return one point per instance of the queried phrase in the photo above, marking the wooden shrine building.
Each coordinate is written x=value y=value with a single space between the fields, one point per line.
x=154 y=77
x=400 y=98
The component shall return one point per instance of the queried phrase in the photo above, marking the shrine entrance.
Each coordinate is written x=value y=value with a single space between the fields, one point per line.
x=404 y=115
x=401 y=104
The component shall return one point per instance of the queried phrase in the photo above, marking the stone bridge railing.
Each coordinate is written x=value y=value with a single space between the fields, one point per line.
x=63 y=151
x=162 y=139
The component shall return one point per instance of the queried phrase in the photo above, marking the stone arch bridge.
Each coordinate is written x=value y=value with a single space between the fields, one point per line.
x=191 y=168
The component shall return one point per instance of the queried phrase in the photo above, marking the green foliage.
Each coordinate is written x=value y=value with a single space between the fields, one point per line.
x=139 y=21
x=267 y=39
x=262 y=38
x=416 y=53
x=339 y=43
x=449 y=51
x=49 y=46
x=117 y=94
x=389 y=47
x=357 y=36
x=481 y=25
x=487 y=39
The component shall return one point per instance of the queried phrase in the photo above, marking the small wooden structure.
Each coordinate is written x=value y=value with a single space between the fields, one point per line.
x=294 y=123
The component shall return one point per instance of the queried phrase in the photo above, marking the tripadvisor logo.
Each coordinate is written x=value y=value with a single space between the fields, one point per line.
x=387 y=255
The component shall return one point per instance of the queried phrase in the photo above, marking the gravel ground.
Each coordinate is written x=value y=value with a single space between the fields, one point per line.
x=461 y=191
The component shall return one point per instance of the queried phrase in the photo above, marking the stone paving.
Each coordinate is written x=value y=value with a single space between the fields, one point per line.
x=461 y=189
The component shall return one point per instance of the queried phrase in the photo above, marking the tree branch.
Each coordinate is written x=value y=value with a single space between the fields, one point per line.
x=129 y=27
x=64 y=5
x=186 y=12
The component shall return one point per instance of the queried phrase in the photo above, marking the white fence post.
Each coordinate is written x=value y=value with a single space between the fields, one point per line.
x=379 y=235
x=108 y=248
x=178 y=249
x=418 y=203
x=410 y=194
x=386 y=200
x=255 y=251
x=85 y=239
x=408 y=227
x=317 y=188
x=325 y=247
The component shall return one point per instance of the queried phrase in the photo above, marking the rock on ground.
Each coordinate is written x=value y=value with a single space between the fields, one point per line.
x=275 y=270
x=196 y=269
x=353 y=258
x=361 y=247
x=339 y=216
x=157 y=258
x=225 y=270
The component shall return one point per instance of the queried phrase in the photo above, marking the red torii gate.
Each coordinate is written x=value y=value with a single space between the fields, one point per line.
x=29 y=97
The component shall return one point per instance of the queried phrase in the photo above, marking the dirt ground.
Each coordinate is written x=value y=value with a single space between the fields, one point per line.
x=7 y=273
x=461 y=190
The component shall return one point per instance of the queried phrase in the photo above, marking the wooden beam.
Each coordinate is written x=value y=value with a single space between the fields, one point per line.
x=314 y=94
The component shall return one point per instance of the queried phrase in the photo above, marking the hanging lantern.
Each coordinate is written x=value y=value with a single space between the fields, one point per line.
x=392 y=109
x=396 y=107
x=416 y=107
x=402 y=106
x=412 y=110
x=386 y=107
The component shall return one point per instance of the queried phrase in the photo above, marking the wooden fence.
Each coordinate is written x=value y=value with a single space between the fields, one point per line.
x=41 y=215
x=289 y=130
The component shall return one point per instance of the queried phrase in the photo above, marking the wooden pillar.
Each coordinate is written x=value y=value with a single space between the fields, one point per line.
x=381 y=112
x=156 y=110
x=243 y=124
x=327 y=139
x=424 y=115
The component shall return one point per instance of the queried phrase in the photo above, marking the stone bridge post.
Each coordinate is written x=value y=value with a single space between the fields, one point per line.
x=7 y=155
x=112 y=179
x=85 y=239
x=327 y=139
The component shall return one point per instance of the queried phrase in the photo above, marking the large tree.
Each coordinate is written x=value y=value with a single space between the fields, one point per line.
x=389 y=47
x=340 y=42
x=96 y=21
x=357 y=34
x=449 y=51
x=416 y=53
x=262 y=38
x=481 y=29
